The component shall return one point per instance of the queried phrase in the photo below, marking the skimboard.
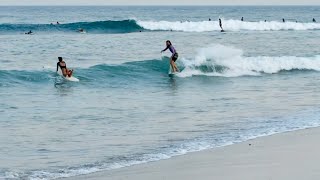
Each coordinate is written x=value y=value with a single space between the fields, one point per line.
x=72 y=78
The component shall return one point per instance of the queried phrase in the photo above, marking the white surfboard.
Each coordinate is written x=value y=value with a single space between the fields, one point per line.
x=72 y=78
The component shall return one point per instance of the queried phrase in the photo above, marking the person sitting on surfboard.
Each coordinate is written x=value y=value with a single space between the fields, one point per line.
x=63 y=66
x=174 y=56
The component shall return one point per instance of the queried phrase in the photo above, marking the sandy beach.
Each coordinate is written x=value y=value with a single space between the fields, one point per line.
x=286 y=156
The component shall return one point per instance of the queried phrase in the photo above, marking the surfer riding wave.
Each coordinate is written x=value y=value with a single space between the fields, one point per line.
x=174 y=56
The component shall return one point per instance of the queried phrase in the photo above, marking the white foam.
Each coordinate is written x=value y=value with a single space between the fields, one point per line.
x=228 y=25
x=235 y=64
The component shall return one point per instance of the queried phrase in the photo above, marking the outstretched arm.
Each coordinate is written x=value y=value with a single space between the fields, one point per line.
x=165 y=49
x=57 y=66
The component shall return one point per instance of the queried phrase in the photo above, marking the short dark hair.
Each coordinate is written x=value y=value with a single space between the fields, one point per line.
x=60 y=58
x=168 y=41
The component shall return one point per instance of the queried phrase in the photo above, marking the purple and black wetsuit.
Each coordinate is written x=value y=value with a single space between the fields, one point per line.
x=175 y=55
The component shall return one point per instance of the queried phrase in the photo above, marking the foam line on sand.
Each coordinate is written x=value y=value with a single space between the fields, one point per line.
x=287 y=156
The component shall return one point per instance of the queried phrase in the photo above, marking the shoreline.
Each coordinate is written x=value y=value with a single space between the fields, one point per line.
x=289 y=155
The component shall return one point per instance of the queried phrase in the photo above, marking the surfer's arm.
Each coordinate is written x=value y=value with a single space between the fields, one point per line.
x=57 y=66
x=165 y=49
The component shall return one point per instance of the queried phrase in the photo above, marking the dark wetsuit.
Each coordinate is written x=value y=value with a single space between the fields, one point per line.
x=220 y=24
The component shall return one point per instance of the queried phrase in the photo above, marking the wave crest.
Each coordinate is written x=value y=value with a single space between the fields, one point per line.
x=129 y=26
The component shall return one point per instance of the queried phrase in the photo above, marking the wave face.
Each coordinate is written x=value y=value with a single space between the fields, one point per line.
x=125 y=26
x=138 y=71
x=228 y=25
x=219 y=60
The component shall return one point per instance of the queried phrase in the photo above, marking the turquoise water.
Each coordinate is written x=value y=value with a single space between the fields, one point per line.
x=256 y=79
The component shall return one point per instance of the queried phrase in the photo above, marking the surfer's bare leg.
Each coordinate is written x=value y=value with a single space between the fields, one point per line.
x=174 y=68
x=64 y=72
x=70 y=73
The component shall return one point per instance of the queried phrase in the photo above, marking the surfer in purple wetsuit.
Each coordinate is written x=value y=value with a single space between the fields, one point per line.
x=174 y=56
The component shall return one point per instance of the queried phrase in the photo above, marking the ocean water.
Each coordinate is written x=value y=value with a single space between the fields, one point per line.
x=255 y=79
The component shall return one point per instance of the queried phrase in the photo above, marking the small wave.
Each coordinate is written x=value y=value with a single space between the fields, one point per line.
x=214 y=60
x=14 y=77
x=229 y=25
x=219 y=60
x=137 y=70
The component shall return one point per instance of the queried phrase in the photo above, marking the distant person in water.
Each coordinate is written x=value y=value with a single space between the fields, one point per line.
x=58 y=22
x=283 y=20
x=81 y=30
x=30 y=32
x=63 y=66
x=220 y=24
x=313 y=20
x=209 y=19
x=242 y=19
x=174 y=56
x=265 y=20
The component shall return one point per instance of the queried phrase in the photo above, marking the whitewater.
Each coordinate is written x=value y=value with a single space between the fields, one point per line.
x=228 y=25
x=256 y=79
x=219 y=60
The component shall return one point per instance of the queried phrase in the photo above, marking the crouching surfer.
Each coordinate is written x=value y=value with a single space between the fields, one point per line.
x=63 y=66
